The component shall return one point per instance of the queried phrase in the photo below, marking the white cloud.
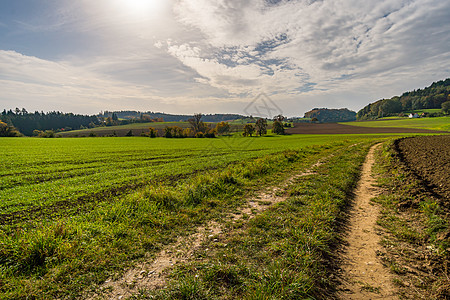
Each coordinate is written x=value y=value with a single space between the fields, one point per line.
x=215 y=56
x=331 y=45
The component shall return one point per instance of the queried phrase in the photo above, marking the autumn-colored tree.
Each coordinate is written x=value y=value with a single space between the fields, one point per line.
x=8 y=131
x=211 y=133
x=187 y=132
x=153 y=132
x=222 y=128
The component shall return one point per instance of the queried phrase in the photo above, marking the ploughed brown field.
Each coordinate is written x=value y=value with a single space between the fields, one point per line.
x=334 y=128
x=429 y=158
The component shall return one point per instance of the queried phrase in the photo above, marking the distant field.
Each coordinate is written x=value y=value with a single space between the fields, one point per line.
x=418 y=111
x=335 y=128
x=137 y=129
x=121 y=130
x=440 y=123
x=430 y=110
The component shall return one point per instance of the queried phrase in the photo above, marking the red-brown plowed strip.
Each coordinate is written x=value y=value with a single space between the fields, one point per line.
x=334 y=128
x=429 y=157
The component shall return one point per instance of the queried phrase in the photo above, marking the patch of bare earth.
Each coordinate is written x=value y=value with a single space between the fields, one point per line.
x=363 y=275
x=152 y=274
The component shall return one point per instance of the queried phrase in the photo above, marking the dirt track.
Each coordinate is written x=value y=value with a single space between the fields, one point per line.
x=429 y=158
x=364 y=276
x=334 y=128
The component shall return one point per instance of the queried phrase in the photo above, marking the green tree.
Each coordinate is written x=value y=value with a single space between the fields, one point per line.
x=248 y=130
x=390 y=107
x=279 y=118
x=261 y=126
x=129 y=133
x=277 y=127
x=168 y=132
x=446 y=107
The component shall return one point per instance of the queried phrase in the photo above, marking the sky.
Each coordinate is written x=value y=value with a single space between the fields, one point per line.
x=205 y=56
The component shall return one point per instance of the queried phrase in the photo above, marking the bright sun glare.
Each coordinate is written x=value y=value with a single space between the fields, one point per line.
x=140 y=7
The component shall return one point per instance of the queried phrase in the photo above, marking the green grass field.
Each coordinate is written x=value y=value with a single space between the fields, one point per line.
x=39 y=172
x=74 y=211
x=440 y=123
x=77 y=211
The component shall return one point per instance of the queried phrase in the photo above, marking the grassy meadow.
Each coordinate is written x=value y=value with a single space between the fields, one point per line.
x=75 y=211
x=438 y=123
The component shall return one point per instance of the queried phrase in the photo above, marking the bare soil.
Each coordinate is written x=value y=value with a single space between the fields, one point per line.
x=418 y=253
x=334 y=128
x=429 y=158
x=363 y=274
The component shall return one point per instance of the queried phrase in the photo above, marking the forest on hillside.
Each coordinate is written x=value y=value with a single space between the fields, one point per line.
x=136 y=115
x=327 y=115
x=26 y=122
x=430 y=97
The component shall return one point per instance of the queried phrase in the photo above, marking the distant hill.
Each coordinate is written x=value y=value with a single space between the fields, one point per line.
x=327 y=115
x=130 y=115
x=430 y=97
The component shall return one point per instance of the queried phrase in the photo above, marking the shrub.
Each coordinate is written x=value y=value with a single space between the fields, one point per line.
x=222 y=128
x=153 y=132
x=188 y=132
x=211 y=133
x=8 y=131
x=168 y=132
x=47 y=134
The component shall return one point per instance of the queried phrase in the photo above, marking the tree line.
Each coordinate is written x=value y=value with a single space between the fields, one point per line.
x=434 y=96
x=137 y=116
x=200 y=129
x=27 y=122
